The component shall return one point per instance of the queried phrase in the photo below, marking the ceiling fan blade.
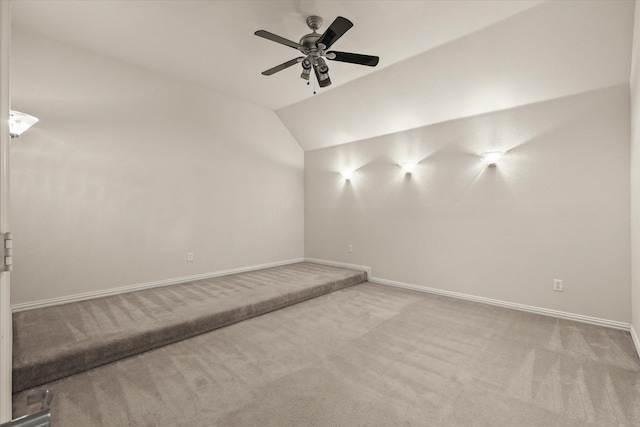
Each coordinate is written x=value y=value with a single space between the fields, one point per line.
x=282 y=66
x=353 y=58
x=323 y=81
x=275 y=38
x=335 y=31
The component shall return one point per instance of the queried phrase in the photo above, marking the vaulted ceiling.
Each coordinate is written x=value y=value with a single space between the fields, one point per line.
x=439 y=60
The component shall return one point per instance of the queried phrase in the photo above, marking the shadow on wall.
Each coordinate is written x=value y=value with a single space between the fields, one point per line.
x=464 y=141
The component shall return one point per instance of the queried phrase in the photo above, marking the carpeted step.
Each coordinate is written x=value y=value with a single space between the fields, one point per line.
x=59 y=341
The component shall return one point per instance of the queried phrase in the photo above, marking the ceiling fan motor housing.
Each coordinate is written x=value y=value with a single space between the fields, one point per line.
x=309 y=41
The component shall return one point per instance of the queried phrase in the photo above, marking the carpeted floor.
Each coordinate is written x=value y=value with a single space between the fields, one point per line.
x=55 y=342
x=368 y=355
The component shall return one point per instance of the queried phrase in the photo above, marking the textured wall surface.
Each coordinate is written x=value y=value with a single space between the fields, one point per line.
x=556 y=207
x=128 y=170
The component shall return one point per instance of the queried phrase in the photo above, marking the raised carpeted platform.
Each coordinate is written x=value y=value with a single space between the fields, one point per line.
x=55 y=342
x=368 y=355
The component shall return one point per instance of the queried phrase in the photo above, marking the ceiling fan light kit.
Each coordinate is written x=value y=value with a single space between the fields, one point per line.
x=314 y=48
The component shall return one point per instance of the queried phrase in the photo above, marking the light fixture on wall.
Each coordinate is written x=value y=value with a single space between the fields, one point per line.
x=491 y=158
x=408 y=167
x=347 y=174
x=20 y=122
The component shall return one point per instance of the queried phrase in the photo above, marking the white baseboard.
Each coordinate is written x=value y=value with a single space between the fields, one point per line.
x=114 y=291
x=636 y=341
x=521 y=307
x=341 y=264
x=538 y=310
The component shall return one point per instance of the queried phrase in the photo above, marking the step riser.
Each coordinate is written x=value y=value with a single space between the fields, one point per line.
x=68 y=362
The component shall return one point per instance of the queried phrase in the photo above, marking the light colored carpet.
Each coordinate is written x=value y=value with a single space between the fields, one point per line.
x=55 y=342
x=368 y=355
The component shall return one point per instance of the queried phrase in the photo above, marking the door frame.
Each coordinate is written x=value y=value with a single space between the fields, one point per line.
x=6 y=327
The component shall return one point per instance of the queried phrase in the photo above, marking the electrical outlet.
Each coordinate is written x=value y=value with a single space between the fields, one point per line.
x=189 y=256
x=350 y=248
x=557 y=285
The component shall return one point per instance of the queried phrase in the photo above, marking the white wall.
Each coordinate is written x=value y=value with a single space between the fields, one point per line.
x=635 y=175
x=128 y=170
x=556 y=207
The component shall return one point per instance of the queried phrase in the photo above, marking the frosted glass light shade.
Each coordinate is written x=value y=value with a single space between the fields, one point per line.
x=20 y=122
x=491 y=158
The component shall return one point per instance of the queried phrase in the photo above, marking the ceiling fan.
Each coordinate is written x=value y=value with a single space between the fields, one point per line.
x=314 y=48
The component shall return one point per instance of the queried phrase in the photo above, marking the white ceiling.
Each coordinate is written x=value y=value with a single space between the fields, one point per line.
x=550 y=51
x=212 y=43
